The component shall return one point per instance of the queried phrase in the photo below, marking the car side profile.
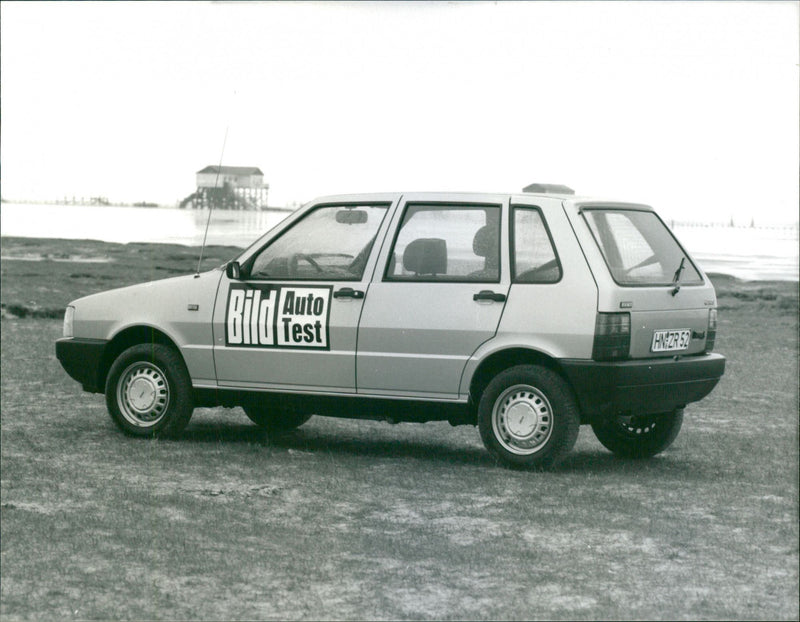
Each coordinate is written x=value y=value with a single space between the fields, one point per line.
x=526 y=315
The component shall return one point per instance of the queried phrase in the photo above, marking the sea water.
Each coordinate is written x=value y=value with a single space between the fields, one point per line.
x=135 y=224
x=752 y=253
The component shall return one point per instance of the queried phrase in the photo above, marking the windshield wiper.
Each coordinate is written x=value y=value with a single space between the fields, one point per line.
x=677 y=276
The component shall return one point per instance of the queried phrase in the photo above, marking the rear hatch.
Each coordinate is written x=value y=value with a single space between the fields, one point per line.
x=644 y=273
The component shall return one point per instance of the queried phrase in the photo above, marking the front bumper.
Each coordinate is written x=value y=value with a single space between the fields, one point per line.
x=642 y=387
x=82 y=359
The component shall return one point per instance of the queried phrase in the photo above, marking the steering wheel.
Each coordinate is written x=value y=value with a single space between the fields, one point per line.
x=294 y=259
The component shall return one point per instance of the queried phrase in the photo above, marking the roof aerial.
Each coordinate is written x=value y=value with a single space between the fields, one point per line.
x=548 y=189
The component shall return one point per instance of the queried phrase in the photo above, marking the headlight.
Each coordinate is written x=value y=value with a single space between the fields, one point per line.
x=69 y=315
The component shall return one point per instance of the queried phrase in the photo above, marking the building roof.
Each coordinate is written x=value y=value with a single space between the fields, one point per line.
x=232 y=170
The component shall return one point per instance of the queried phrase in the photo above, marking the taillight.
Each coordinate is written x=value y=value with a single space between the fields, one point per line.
x=711 y=333
x=612 y=336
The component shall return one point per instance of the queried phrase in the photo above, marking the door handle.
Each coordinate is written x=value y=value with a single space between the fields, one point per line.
x=488 y=294
x=348 y=292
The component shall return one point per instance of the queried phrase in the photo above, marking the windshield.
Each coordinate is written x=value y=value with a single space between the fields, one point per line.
x=331 y=242
x=639 y=249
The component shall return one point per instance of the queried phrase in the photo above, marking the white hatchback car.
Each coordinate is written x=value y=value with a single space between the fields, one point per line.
x=524 y=314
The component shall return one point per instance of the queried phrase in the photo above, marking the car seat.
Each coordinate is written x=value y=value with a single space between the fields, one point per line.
x=426 y=256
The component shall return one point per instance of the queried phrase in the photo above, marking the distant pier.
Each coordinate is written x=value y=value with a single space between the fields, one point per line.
x=229 y=188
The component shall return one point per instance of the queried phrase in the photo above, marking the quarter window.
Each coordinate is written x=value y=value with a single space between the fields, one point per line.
x=535 y=259
x=447 y=243
x=331 y=243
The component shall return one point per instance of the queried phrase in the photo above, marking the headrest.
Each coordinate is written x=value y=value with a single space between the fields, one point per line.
x=426 y=256
x=484 y=244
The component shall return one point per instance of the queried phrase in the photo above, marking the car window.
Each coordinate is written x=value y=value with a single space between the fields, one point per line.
x=331 y=243
x=447 y=243
x=639 y=249
x=534 y=258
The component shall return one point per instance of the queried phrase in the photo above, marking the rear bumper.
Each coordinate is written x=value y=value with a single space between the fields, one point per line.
x=81 y=359
x=642 y=387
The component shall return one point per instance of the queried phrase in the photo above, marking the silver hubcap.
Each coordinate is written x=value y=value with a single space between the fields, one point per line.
x=143 y=394
x=522 y=419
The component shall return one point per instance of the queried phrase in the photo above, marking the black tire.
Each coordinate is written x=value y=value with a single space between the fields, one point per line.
x=546 y=421
x=149 y=392
x=274 y=418
x=639 y=436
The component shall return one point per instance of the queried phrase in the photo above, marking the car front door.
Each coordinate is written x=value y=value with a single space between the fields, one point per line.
x=290 y=321
x=438 y=293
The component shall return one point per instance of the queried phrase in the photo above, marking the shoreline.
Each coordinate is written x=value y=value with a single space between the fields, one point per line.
x=41 y=276
x=54 y=250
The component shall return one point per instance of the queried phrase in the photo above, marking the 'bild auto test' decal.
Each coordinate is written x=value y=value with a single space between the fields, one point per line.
x=278 y=316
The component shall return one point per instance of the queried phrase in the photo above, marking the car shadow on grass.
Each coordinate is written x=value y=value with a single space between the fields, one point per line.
x=328 y=442
x=346 y=443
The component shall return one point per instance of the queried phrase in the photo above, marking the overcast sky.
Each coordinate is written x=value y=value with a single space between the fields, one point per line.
x=691 y=107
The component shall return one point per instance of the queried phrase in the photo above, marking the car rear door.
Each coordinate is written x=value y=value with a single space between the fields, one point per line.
x=438 y=293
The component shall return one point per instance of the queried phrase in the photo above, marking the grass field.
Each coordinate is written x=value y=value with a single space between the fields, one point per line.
x=362 y=520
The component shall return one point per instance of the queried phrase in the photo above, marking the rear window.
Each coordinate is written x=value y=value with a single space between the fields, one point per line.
x=639 y=249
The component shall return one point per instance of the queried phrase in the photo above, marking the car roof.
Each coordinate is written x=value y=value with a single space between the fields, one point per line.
x=569 y=199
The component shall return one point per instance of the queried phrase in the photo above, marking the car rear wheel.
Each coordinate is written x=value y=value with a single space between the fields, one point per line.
x=274 y=418
x=148 y=391
x=640 y=436
x=527 y=417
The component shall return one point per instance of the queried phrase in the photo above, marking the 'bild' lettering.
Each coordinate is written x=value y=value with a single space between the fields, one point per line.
x=278 y=316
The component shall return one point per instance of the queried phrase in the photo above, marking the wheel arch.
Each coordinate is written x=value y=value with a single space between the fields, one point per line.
x=131 y=336
x=506 y=358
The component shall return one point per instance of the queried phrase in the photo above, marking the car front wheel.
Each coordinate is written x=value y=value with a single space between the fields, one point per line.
x=148 y=391
x=640 y=436
x=527 y=416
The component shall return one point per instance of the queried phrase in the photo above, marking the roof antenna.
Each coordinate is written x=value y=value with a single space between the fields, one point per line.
x=211 y=204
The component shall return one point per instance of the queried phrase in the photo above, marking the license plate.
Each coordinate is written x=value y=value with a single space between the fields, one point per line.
x=671 y=340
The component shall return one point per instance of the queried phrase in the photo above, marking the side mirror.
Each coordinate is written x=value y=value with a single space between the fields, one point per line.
x=233 y=270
